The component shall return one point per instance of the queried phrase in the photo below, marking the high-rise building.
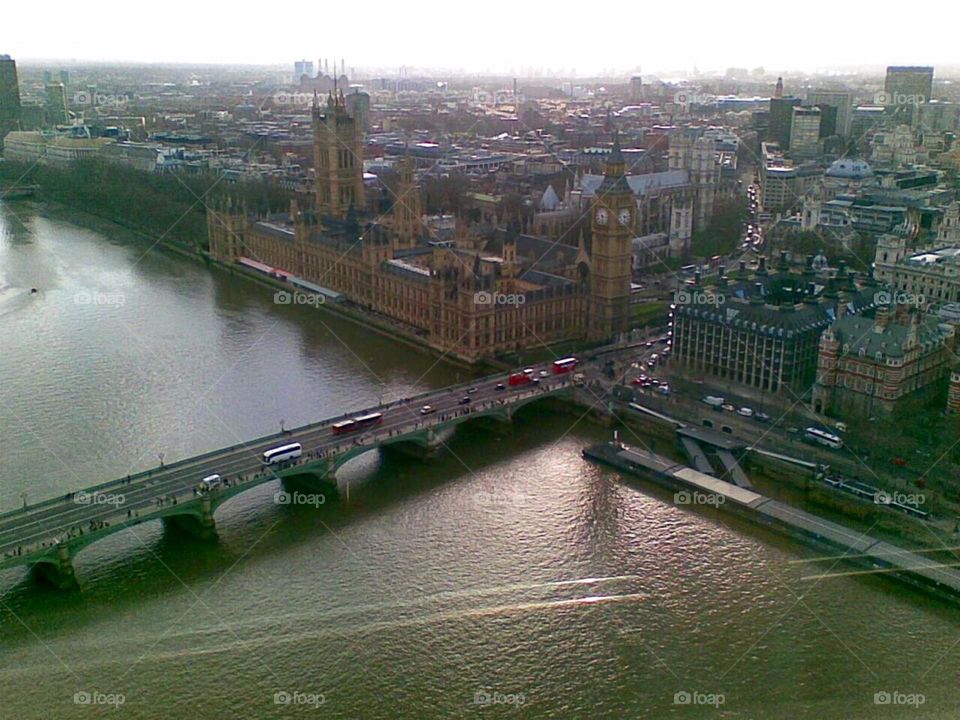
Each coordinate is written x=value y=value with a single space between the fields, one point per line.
x=805 y=133
x=301 y=68
x=636 y=88
x=840 y=101
x=781 y=117
x=56 y=105
x=912 y=83
x=9 y=96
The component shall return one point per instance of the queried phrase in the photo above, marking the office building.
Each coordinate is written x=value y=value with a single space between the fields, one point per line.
x=9 y=96
x=805 y=133
x=841 y=104
x=866 y=364
x=781 y=118
x=908 y=85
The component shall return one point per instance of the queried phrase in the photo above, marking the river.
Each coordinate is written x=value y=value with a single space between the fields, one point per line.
x=507 y=577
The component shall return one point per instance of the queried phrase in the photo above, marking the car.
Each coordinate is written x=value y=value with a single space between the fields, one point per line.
x=840 y=426
x=728 y=407
x=761 y=417
x=651 y=364
x=427 y=409
x=654 y=381
x=465 y=400
x=500 y=387
x=664 y=389
x=528 y=371
x=745 y=412
x=471 y=391
x=211 y=482
x=639 y=380
x=544 y=373
x=648 y=344
x=535 y=381
x=793 y=430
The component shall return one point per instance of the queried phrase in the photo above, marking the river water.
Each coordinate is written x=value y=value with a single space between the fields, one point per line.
x=505 y=578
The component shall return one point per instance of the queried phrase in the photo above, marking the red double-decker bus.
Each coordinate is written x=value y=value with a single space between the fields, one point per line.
x=564 y=365
x=518 y=379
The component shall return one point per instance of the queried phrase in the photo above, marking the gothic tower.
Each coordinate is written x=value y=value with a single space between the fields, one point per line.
x=338 y=158
x=703 y=175
x=407 y=207
x=610 y=255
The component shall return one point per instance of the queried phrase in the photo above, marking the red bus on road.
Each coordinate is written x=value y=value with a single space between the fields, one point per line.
x=564 y=366
x=518 y=379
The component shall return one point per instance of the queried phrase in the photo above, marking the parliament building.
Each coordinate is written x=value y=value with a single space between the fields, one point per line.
x=481 y=291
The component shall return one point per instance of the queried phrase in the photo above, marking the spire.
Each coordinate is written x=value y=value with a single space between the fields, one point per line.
x=615 y=172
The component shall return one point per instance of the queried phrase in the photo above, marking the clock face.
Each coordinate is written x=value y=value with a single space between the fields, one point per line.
x=602 y=216
x=624 y=217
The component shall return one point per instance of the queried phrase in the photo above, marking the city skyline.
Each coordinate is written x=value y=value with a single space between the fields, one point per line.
x=753 y=38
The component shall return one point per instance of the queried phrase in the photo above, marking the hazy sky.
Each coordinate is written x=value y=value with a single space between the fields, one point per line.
x=494 y=34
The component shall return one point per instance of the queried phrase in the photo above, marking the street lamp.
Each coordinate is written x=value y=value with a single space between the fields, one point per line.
x=281 y=426
x=160 y=457
x=23 y=496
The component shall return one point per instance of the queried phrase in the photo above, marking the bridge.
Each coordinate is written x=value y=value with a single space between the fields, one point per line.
x=47 y=535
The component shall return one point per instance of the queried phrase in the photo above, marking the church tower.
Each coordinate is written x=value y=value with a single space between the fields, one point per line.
x=611 y=251
x=338 y=158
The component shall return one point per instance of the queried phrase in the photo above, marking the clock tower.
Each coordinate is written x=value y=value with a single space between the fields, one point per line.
x=611 y=250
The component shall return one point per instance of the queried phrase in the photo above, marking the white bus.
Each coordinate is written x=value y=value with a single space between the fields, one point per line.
x=282 y=453
x=822 y=437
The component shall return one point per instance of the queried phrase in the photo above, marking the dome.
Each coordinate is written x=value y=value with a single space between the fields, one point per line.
x=849 y=169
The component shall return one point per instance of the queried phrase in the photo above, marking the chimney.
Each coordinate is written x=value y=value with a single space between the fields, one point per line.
x=696 y=277
x=763 y=263
x=743 y=266
x=721 y=271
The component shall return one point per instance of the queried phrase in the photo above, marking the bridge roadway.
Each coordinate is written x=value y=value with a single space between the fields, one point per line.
x=46 y=535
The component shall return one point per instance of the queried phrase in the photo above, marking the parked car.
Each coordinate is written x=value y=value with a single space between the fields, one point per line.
x=745 y=412
x=728 y=407
x=761 y=417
